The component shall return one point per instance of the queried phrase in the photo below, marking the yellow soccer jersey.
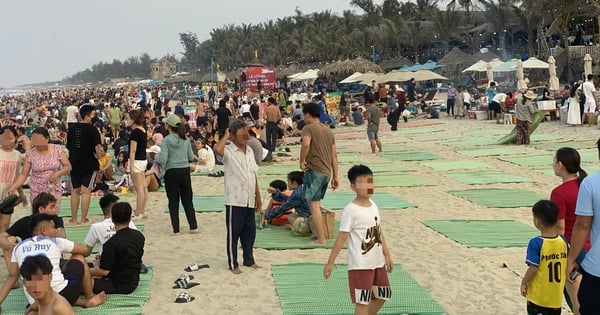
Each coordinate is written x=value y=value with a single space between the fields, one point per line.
x=549 y=255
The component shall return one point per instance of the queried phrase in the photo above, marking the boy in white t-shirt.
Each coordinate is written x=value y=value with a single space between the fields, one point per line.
x=369 y=259
x=101 y=231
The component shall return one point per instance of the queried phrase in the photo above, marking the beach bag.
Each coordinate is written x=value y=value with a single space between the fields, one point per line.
x=406 y=113
x=328 y=222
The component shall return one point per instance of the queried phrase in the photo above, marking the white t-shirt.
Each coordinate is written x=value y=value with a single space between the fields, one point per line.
x=245 y=108
x=364 y=246
x=588 y=90
x=53 y=248
x=500 y=98
x=466 y=97
x=72 y=114
x=208 y=155
x=101 y=231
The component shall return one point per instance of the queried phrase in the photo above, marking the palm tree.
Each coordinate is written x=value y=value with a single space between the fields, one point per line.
x=499 y=16
x=445 y=24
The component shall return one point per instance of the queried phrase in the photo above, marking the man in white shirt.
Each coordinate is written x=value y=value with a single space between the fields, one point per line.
x=72 y=114
x=498 y=104
x=242 y=195
x=46 y=243
x=591 y=101
x=101 y=231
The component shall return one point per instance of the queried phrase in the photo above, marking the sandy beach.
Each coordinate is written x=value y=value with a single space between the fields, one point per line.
x=462 y=280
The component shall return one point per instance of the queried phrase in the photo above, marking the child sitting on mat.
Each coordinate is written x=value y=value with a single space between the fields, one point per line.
x=369 y=259
x=293 y=208
x=278 y=190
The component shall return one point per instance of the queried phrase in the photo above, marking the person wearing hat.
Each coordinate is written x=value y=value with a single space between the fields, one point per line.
x=525 y=112
x=175 y=157
x=84 y=145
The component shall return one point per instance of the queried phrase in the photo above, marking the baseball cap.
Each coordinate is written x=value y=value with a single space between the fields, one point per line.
x=172 y=120
x=153 y=149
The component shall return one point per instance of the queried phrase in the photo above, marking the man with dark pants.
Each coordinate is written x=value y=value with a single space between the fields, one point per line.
x=318 y=159
x=242 y=195
x=587 y=224
x=273 y=115
x=84 y=145
x=121 y=260
x=450 y=100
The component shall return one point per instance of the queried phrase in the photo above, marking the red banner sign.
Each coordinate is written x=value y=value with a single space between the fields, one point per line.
x=258 y=78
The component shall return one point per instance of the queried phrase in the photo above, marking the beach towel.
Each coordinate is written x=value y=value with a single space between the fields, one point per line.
x=333 y=297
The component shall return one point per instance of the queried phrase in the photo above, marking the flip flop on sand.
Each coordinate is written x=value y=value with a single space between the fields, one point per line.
x=184 y=276
x=195 y=267
x=183 y=297
x=183 y=283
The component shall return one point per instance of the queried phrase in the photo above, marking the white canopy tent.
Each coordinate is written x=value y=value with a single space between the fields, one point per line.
x=352 y=78
x=479 y=66
x=534 y=63
x=309 y=75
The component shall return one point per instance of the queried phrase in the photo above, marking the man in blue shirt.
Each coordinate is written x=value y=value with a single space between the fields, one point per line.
x=587 y=223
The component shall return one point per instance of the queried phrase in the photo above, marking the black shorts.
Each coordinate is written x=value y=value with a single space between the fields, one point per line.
x=533 y=309
x=495 y=107
x=246 y=115
x=103 y=285
x=83 y=179
x=73 y=273
x=588 y=293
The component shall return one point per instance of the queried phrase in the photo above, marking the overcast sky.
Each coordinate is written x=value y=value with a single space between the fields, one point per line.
x=50 y=40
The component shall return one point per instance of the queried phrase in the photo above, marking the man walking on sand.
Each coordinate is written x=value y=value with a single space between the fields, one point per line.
x=318 y=159
x=373 y=113
x=591 y=100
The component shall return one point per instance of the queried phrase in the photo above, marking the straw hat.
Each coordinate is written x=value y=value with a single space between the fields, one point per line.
x=530 y=95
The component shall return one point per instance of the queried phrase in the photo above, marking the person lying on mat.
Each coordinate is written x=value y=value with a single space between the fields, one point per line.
x=20 y=230
x=37 y=278
x=101 y=231
x=297 y=219
x=119 y=267
x=72 y=281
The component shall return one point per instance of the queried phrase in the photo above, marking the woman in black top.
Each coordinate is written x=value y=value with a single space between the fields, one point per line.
x=138 y=161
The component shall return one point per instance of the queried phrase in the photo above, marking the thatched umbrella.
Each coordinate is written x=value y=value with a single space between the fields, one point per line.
x=339 y=70
x=395 y=63
x=284 y=72
x=232 y=75
x=487 y=56
x=455 y=61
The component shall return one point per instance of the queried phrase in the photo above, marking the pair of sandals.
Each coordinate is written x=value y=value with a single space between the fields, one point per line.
x=217 y=174
x=184 y=282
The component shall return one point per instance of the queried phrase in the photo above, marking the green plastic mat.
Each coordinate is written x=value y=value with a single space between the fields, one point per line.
x=589 y=169
x=349 y=158
x=399 y=180
x=486 y=133
x=385 y=167
x=384 y=201
x=500 y=198
x=502 y=150
x=77 y=233
x=481 y=178
x=408 y=297
x=399 y=148
x=278 y=237
x=456 y=165
x=278 y=169
x=205 y=204
x=413 y=131
x=575 y=144
x=485 y=233
x=410 y=156
x=126 y=304
x=541 y=137
x=530 y=160
x=65 y=207
x=469 y=142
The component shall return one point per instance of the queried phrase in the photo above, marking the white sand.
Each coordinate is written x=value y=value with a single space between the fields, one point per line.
x=463 y=280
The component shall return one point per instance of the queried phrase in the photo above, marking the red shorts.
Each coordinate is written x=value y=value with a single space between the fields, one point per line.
x=367 y=283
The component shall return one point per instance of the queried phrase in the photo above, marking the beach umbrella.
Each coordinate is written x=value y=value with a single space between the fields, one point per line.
x=337 y=71
x=308 y=75
x=508 y=66
x=367 y=78
x=352 y=78
x=397 y=76
x=554 y=84
x=395 y=63
x=587 y=65
x=479 y=66
x=427 y=75
x=534 y=63
x=490 y=72
x=521 y=85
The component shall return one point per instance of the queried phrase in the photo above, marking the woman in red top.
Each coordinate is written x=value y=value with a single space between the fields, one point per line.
x=567 y=165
